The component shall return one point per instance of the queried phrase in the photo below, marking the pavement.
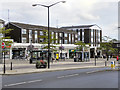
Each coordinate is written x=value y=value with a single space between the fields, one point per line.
x=23 y=66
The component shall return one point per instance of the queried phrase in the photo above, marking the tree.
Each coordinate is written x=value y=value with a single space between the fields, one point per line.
x=2 y=38
x=81 y=45
x=44 y=38
x=107 y=46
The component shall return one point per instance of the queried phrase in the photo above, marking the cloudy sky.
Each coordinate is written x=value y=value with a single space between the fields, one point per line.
x=104 y=13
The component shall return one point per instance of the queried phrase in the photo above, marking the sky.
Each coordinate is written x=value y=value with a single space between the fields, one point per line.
x=104 y=13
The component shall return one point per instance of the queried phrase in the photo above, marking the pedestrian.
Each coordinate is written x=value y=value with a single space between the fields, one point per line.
x=52 y=59
x=26 y=56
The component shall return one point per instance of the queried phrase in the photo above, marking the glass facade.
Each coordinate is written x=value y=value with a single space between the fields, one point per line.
x=30 y=35
x=66 y=41
x=69 y=38
x=24 y=40
x=24 y=31
x=66 y=35
x=36 y=37
x=41 y=33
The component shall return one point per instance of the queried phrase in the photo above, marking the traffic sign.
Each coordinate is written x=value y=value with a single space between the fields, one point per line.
x=3 y=45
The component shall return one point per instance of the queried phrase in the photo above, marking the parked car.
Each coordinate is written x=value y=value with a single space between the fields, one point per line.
x=41 y=63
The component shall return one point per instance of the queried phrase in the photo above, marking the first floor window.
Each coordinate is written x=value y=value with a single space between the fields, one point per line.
x=23 y=31
x=23 y=40
x=66 y=41
x=41 y=40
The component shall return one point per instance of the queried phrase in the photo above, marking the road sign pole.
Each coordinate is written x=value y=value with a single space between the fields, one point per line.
x=3 y=47
x=4 y=62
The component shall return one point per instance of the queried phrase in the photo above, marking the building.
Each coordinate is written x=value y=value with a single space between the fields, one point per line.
x=88 y=34
x=1 y=26
x=23 y=34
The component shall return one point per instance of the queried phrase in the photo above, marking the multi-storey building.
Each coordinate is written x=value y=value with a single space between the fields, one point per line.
x=88 y=34
x=23 y=33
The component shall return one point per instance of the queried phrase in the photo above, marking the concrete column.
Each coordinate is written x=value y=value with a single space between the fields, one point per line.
x=11 y=53
x=67 y=53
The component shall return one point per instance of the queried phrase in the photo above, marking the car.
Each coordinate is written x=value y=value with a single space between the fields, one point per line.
x=41 y=64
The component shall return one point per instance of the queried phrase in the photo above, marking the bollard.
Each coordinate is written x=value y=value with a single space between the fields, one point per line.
x=105 y=63
x=11 y=66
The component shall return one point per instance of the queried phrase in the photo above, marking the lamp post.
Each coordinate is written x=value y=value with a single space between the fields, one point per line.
x=48 y=26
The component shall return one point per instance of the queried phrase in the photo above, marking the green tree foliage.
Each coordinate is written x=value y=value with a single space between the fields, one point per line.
x=2 y=38
x=106 y=45
x=81 y=45
x=45 y=40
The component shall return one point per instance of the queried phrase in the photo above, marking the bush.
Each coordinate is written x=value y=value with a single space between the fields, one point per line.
x=41 y=63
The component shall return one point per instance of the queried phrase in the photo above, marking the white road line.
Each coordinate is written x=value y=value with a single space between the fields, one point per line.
x=72 y=75
x=92 y=72
x=15 y=84
x=34 y=81
x=68 y=76
x=61 y=77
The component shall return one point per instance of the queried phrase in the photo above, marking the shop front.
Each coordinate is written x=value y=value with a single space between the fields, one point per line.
x=18 y=53
x=72 y=53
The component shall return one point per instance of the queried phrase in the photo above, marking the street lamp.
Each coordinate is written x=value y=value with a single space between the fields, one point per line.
x=48 y=27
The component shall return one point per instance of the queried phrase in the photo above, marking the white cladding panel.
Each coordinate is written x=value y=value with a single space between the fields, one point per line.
x=95 y=27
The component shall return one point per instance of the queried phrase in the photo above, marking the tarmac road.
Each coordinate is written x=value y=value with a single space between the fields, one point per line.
x=80 y=78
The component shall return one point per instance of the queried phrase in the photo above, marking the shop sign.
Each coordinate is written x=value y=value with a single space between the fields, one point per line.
x=72 y=50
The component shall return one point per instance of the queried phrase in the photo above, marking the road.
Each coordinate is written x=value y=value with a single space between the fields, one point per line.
x=80 y=78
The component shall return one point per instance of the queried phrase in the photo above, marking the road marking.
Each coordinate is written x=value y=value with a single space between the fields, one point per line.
x=72 y=75
x=15 y=84
x=68 y=76
x=61 y=77
x=34 y=81
x=92 y=72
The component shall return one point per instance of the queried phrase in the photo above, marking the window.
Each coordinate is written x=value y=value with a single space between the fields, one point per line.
x=41 y=32
x=66 y=41
x=23 y=40
x=69 y=38
x=75 y=41
x=60 y=42
x=36 y=39
x=56 y=41
x=60 y=34
x=72 y=37
x=41 y=40
x=30 y=35
x=56 y=35
x=65 y=34
x=23 y=31
x=52 y=36
x=75 y=35
x=83 y=35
